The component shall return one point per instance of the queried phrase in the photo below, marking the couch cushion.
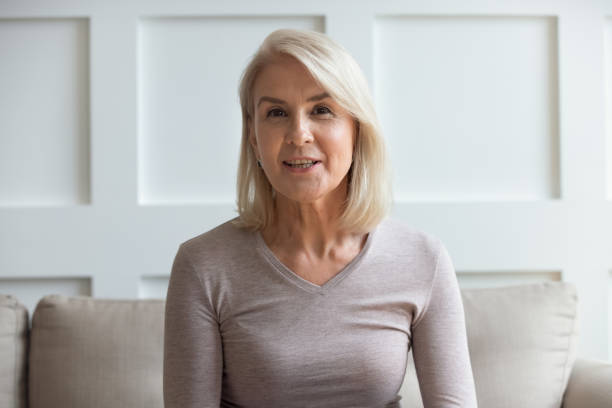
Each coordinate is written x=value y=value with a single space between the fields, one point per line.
x=522 y=342
x=13 y=352
x=590 y=384
x=89 y=352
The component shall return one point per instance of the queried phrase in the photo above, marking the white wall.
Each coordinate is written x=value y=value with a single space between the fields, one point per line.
x=119 y=130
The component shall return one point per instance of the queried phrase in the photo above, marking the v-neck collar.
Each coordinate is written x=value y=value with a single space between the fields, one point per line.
x=305 y=284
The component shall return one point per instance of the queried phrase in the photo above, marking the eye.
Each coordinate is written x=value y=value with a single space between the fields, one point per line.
x=275 y=113
x=321 y=110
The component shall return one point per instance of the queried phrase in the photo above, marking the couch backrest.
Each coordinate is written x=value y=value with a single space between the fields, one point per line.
x=522 y=342
x=96 y=353
x=13 y=352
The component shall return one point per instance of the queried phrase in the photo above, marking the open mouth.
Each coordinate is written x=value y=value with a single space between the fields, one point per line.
x=301 y=164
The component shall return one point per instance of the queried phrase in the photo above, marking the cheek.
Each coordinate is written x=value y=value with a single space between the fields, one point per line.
x=342 y=143
x=268 y=144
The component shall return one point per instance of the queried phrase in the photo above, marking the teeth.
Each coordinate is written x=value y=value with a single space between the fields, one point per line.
x=301 y=164
x=299 y=161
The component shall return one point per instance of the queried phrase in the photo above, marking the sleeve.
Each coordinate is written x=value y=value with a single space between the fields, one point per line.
x=193 y=360
x=439 y=340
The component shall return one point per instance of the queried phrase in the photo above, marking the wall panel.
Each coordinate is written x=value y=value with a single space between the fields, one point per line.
x=608 y=103
x=470 y=110
x=44 y=112
x=153 y=287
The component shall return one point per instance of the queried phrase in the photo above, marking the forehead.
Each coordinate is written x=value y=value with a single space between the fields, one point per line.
x=285 y=76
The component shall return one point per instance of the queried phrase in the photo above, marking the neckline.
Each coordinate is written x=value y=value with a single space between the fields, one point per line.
x=304 y=283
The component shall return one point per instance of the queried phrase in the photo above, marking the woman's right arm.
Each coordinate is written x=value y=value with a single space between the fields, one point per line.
x=193 y=360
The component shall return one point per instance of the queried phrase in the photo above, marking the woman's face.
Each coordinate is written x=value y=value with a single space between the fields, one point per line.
x=302 y=137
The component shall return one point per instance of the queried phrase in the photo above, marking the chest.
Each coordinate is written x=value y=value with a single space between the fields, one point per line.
x=348 y=353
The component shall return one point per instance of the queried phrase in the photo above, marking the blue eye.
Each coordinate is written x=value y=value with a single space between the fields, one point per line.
x=275 y=113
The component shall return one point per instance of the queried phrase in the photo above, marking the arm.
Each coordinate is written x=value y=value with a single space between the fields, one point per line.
x=193 y=360
x=590 y=385
x=439 y=340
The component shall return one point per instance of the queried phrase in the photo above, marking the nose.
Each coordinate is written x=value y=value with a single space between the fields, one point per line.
x=299 y=131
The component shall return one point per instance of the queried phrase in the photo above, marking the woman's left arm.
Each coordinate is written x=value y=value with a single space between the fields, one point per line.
x=439 y=341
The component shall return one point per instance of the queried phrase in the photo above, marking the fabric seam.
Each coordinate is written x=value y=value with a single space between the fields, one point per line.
x=279 y=268
x=433 y=282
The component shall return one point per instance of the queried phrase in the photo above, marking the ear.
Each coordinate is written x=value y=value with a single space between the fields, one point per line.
x=251 y=136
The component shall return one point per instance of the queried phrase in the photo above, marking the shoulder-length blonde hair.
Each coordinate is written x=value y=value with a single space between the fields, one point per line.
x=369 y=186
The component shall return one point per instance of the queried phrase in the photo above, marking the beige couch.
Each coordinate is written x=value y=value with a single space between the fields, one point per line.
x=84 y=352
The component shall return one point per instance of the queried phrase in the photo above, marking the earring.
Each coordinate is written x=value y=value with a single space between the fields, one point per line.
x=258 y=164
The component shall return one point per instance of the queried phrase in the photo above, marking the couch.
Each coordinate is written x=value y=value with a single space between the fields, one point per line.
x=87 y=352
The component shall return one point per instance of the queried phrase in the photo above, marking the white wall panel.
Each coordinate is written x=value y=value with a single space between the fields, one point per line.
x=470 y=112
x=153 y=287
x=608 y=104
x=189 y=118
x=44 y=112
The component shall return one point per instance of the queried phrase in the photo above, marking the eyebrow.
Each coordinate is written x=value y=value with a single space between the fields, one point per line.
x=280 y=101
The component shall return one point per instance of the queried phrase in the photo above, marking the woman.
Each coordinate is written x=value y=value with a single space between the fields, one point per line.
x=310 y=297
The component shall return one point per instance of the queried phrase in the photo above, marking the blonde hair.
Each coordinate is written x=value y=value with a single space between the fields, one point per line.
x=369 y=185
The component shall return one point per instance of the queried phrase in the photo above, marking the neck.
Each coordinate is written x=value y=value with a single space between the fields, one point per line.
x=309 y=227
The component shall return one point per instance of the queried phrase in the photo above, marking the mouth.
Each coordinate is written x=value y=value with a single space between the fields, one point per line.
x=300 y=164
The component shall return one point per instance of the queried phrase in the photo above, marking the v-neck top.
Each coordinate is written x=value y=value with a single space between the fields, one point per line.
x=305 y=284
x=243 y=330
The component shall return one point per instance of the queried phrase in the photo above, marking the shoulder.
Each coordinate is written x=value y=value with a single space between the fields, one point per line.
x=400 y=238
x=220 y=243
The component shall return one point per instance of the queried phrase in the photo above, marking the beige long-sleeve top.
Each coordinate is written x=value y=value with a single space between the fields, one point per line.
x=243 y=330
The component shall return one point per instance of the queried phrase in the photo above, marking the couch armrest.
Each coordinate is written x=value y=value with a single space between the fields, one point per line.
x=590 y=385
